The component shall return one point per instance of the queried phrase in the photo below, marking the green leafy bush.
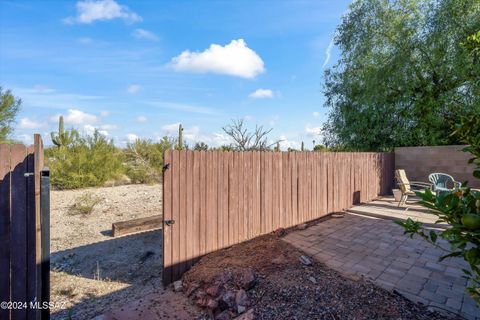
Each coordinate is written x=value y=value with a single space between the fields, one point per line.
x=89 y=162
x=144 y=159
x=85 y=203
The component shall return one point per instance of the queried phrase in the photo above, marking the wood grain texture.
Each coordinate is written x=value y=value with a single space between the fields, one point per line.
x=218 y=199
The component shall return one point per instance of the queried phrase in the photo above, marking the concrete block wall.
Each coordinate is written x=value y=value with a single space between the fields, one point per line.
x=419 y=162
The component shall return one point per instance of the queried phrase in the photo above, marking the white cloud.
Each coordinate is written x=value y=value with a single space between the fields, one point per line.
x=133 y=88
x=108 y=127
x=27 y=139
x=104 y=113
x=312 y=131
x=316 y=114
x=261 y=94
x=286 y=143
x=142 y=119
x=234 y=59
x=144 y=34
x=328 y=53
x=132 y=137
x=89 y=11
x=77 y=117
x=26 y=123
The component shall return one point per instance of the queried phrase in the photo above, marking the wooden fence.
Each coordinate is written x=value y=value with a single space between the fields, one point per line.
x=24 y=231
x=216 y=199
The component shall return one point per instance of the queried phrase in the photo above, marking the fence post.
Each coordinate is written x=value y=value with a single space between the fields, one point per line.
x=45 y=240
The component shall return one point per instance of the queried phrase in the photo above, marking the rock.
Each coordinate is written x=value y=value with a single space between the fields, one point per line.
x=302 y=226
x=241 y=309
x=224 y=315
x=241 y=298
x=312 y=280
x=212 y=304
x=280 y=232
x=249 y=315
x=227 y=300
x=214 y=290
x=224 y=278
x=178 y=286
x=305 y=261
x=248 y=279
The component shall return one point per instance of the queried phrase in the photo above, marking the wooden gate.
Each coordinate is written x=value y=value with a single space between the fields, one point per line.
x=214 y=199
x=24 y=231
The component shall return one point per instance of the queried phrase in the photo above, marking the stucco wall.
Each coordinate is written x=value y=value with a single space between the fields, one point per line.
x=419 y=162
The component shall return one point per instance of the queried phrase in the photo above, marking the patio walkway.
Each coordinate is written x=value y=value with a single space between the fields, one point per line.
x=377 y=249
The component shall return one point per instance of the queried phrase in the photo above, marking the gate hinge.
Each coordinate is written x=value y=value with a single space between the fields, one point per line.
x=169 y=222
x=166 y=166
x=28 y=174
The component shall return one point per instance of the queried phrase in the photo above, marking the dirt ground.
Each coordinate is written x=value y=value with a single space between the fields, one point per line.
x=287 y=288
x=92 y=272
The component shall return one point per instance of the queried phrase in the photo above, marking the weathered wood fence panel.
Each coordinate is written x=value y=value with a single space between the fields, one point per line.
x=215 y=199
x=20 y=230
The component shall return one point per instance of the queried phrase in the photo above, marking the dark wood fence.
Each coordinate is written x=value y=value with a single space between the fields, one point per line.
x=24 y=231
x=216 y=199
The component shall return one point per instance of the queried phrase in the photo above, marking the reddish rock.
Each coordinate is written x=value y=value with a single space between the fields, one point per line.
x=212 y=304
x=214 y=290
x=224 y=277
x=248 y=279
x=241 y=298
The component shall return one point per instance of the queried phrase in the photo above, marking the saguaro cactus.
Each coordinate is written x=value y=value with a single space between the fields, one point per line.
x=63 y=138
x=277 y=147
x=302 y=147
x=180 y=137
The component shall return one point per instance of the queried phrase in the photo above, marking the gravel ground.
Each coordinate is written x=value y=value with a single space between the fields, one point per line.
x=287 y=288
x=92 y=272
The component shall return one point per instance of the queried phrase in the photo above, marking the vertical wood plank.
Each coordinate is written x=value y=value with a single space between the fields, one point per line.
x=38 y=167
x=189 y=210
x=5 y=228
x=182 y=220
x=167 y=215
x=196 y=205
x=31 y=235
x=225 y=213
x=176 y=214
x=18 y=228
x=263 y=205
x=294 y=184
x=257 y=193
x=220 y=215
x=203 y=203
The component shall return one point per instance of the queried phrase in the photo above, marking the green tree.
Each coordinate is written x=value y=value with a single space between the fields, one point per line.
x=403 y=77
x=200 y=146
x=9 y=107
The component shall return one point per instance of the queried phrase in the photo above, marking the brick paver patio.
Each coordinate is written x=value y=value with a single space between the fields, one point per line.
x=377 y=249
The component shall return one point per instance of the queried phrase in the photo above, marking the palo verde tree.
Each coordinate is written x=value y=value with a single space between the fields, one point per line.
x=404 y=76
x=9 y=106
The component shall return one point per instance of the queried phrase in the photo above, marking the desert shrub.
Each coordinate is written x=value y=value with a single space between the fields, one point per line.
x=89 y=162
x=85 y=203
x=144 y=159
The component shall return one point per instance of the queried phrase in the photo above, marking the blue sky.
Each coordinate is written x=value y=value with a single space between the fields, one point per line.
x=138 y=68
